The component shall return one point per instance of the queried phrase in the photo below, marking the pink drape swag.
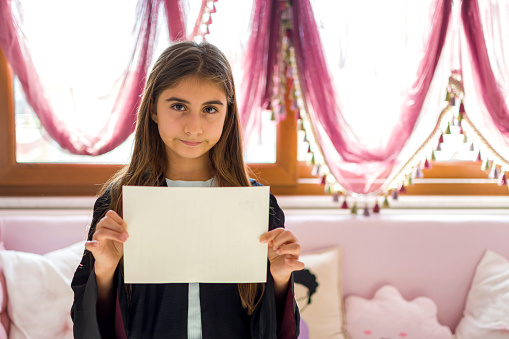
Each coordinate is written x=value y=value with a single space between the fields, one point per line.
x=122 y=119
x=356 y=168
x=487 y=91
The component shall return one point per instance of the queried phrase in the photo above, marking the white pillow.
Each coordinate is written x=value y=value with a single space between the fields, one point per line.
x=322 y=318
x=40 y=294
x=486 y=313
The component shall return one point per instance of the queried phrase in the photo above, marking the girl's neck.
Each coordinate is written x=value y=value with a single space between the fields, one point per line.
x=189 y=172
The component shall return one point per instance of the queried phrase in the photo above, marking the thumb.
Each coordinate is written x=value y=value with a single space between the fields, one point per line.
x=92 y=245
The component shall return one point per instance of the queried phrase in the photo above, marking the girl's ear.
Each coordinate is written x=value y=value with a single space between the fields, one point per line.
x=153 y=113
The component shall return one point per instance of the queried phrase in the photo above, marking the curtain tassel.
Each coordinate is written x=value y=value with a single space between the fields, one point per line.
x=448 y=129
x=354 y=208
x=502 y=180
x=410 y=180
x=366 y=211
x=313 y=160
x=316 y=170
x=462 y=108
x=386 y=203
x=395 y=195
x=426 y=165
x=323 y=179
x=376 y=208
x=486 y=166
x=327 y=188
x=418 y=172
x=493 y=172
x=344 y=206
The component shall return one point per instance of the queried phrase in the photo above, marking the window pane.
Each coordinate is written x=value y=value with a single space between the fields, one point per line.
x=261 y=148
x=83 y=99
x=34 y=145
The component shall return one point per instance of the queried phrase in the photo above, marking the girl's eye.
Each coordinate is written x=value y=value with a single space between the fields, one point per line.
x=210 y=110
x=178 y=107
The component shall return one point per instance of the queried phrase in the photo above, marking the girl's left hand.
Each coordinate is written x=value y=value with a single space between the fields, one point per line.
x=283 y=254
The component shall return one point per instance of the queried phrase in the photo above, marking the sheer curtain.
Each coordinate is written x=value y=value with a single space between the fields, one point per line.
x=64 y=86
x=485 y=70
x=366 y=71
x=71 y=98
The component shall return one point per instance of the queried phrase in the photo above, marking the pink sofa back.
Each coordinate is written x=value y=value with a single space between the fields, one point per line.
x=422 y=255
x=42 y=233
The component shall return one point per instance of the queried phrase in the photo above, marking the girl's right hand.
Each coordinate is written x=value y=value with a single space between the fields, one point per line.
x=107 y=244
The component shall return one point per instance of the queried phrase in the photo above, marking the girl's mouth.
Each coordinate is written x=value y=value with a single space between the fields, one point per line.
x=191 y=143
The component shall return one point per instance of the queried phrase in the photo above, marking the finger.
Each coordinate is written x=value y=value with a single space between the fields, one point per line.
x=107 y=234
x=270 y=235
x=110 y=223
x=91 y=245
x=114 y=216
x=290 y=249
x=285 y=237
x=295 y=264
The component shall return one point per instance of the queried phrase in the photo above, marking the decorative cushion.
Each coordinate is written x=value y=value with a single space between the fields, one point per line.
x=40 y=294
x=486 y=312
x=388 y=315
x=318 y=294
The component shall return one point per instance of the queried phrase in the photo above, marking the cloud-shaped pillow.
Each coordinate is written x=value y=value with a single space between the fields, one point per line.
x=389 y=315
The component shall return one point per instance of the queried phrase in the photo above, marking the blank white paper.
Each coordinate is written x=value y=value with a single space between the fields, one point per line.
x=195 y=234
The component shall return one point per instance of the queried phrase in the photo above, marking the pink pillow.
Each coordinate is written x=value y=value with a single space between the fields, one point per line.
x=4 y=318
x=388 y=315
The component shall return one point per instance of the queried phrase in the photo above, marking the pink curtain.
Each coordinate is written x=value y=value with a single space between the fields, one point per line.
x=357 y=167
x=122 y=119
x=261 y=61
x=484 y=55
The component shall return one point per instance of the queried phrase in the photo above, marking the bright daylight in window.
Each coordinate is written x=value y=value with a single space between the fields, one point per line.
x=81 y=66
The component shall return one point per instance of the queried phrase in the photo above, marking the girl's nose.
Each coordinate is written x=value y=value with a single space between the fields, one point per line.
x=193 y=124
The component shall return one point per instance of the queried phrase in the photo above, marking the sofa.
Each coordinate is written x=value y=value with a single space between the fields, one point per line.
x=415 y=263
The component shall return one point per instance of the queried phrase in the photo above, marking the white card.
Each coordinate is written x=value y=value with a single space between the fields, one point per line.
x=195 y=234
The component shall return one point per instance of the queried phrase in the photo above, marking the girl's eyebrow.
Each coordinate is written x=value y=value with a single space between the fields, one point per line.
x=212 y=102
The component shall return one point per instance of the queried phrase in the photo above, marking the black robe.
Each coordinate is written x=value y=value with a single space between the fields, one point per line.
x=160 y=310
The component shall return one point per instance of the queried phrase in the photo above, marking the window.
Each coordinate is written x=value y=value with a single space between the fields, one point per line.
x=287 y=170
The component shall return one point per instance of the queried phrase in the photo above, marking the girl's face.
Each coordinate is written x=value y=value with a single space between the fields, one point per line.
x=190 y=119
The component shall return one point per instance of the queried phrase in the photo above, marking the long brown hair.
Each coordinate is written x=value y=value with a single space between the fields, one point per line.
x=149 y=160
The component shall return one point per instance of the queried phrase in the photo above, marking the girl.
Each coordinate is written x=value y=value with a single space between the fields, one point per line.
x=187 y=134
